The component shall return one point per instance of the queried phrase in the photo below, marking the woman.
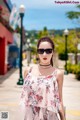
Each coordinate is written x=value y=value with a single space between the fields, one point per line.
x=42 y=90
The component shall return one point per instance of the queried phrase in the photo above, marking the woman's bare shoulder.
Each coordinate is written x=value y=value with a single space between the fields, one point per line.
x=31 y=69
x=60 y=73
x=34 y=68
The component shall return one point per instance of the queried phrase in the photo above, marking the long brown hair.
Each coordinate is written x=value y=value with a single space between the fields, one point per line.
x=46 y=39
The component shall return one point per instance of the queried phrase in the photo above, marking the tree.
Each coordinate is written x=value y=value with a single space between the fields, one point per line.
x=75 y=17
x=59 y=41
x=43 y=33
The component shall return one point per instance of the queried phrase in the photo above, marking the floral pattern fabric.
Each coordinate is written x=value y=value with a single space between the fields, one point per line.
x=40 y=96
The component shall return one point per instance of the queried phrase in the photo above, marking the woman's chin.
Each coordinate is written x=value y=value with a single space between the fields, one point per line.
x=45 y=62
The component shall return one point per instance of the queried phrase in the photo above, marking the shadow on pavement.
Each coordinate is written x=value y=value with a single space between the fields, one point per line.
x=7 y=75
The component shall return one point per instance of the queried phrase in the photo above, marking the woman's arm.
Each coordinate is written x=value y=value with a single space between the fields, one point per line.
x=60 y=87
x=25 y=73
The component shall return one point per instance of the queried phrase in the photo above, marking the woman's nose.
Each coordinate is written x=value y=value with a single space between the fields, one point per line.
x=44 y=53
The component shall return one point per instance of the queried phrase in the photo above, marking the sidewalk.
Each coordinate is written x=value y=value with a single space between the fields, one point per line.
x=10 y=95
x=71 y=97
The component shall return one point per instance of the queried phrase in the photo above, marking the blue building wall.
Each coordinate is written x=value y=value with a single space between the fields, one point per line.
x=13 y=58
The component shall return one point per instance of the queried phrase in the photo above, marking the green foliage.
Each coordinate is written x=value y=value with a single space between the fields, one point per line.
x=62 y=56
x=74 y=14
x=72 y=42
x=43 y=33
x=78 y=73
x=74 y=68
x=58 y=38
x=18 y=30
x=59 y=42
x=71 y=68
x=34 y=61
x=33 y=50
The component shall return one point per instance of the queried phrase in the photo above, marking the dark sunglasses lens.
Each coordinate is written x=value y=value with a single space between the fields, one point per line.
x=48 y=51
x=40 y=51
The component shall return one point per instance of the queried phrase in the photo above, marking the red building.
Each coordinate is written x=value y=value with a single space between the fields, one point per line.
x=6 y=34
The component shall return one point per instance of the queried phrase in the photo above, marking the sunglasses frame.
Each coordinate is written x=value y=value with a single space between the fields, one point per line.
x=41 y=51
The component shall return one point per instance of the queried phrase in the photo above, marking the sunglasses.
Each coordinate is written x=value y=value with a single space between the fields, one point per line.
x=41 y=51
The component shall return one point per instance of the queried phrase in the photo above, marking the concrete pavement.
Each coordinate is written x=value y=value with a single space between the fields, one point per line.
x=10 y=95
x=71 y=96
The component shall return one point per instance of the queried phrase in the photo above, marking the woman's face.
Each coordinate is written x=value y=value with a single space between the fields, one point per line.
x=45 y=52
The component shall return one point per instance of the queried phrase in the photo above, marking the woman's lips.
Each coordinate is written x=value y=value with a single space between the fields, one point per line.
x=45 y=58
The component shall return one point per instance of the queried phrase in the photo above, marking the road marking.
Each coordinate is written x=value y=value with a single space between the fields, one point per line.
x=9 y=104
x=73 y=112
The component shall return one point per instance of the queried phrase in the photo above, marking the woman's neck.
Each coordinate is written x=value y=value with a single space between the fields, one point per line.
x=45 y=66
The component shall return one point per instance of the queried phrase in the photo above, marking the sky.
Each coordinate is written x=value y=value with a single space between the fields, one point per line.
x=46 y=13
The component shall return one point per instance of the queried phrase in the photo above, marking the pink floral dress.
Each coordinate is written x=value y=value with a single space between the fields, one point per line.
x=40 y=97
